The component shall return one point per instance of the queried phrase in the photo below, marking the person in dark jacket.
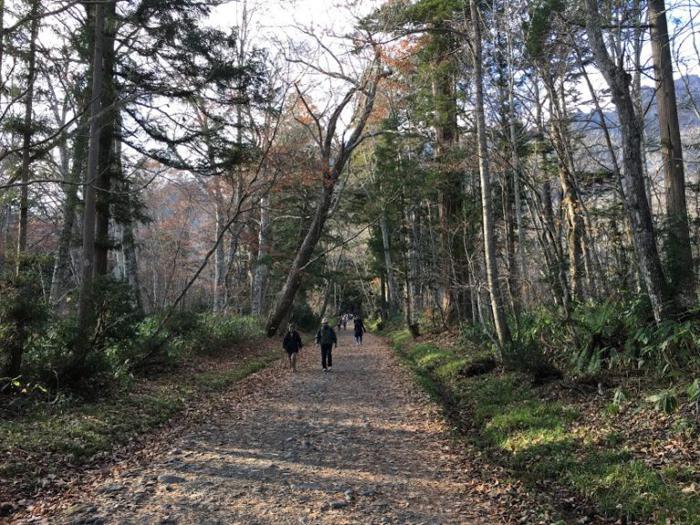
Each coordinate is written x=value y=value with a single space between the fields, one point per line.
x=359 y=330
x=292 y=344
x=327 y=339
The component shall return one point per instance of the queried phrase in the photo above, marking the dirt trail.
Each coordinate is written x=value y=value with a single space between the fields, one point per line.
x=358 y=445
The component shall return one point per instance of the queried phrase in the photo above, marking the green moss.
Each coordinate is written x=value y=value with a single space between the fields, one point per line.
x=535 y=437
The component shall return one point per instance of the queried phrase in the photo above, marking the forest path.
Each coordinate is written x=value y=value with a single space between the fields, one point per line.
x=359 y=445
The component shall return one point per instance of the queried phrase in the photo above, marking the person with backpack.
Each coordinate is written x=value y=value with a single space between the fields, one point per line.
x=359 y=330
x=327 y=339
x=292 y=344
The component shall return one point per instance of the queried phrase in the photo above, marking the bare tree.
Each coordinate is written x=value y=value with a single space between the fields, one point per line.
x=502 y=330
x=334 y=153
x=633 y=190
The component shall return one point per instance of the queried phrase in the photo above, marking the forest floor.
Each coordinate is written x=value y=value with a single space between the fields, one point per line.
x=361 y=444
x=599 y=459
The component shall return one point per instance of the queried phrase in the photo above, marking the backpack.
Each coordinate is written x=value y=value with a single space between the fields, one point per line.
x=326 y=336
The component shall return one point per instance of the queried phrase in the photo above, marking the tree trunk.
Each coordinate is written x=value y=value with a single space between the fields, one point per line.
x=391 y=279
x=128 y=240
x=2 y=37
x=502 y=330
x=27 y=133
x=678 y=251
x=131 y=272
x=632 y=183
x=261 y=262
x=107 y=162
x=4 y=229
x=62 y=263
x=302 y=258
x=333 y=167
x=89 y=199
x=219 y=260
x=414 y=263
x=517 y=172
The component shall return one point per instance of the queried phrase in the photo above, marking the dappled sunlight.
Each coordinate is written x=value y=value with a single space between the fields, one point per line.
x=355 y=446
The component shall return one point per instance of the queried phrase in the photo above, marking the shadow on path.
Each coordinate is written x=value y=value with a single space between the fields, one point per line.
x=357 y=445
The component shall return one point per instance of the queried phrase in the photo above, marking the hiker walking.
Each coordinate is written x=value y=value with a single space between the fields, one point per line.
x=345 y=322
x=292 y=344
x=359 y=330
x=326 y=338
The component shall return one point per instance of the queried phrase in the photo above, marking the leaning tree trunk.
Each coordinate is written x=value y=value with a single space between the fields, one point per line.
x=333 y=167
x=302 y=258
x=502 y=330
x=633 y=190
x=678 y=251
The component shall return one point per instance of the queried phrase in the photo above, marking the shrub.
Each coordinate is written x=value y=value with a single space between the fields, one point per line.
x=22 y=316
x=304 y=317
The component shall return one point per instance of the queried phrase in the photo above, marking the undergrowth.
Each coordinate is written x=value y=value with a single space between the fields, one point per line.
x=72 y=431
x=543 y=439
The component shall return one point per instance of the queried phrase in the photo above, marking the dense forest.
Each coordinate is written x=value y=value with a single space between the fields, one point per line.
x=519 y=177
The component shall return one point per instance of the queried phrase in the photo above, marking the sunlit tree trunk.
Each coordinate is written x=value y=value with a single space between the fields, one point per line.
x=262 y=264
x=633 y=189
x=502 y=330
x=679 y=257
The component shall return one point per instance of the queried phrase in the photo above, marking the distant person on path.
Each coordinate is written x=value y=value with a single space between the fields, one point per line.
x=359 y=330
x=327 y=339
x=292 y=344
x=345 y=321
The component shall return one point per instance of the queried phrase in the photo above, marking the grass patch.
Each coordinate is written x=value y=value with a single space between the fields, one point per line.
x=220 y=380
x=48 y=437
x=535 y=438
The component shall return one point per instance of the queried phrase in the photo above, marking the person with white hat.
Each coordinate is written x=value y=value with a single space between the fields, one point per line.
x=327 y=339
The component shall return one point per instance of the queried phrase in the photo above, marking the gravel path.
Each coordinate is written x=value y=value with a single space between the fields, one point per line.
x=358 y=445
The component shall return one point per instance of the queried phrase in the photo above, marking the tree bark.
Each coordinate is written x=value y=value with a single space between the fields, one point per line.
x=89 y=199
x=502 y=330
x=632 y=183
x=261 y=263
x=27 y=133
x=679 y=257
x=62 y=263
x=107 y=162
x=391 y=278
x=219 y=260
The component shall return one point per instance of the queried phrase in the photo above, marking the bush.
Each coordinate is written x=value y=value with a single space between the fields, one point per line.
x=304 y=317
x=22 y=316
x=614 y=335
